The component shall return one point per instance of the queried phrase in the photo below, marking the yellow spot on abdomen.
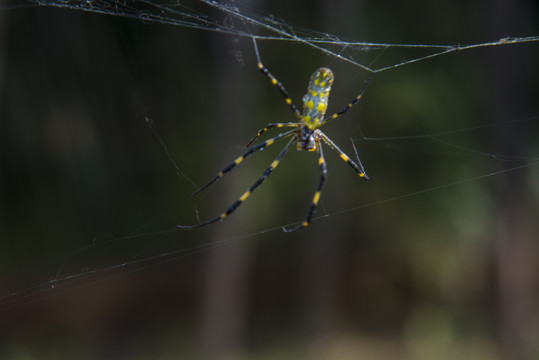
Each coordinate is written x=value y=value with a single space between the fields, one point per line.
x=320 y=161
x=275 y=164
x=344 y=157
x=321 y=107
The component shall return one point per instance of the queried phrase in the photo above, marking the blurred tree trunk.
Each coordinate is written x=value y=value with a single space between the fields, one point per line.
x=225 y=302
x=516 y=226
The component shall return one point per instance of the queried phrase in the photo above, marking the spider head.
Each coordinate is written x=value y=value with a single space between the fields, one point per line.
x=315 y=101
x=307 y=139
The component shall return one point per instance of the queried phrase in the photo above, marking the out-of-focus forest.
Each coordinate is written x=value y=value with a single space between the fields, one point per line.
x=108 y=124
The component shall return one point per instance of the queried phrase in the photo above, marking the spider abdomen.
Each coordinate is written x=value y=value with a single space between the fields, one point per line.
x=315 y=101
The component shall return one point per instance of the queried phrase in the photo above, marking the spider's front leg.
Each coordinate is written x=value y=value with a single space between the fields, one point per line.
x=357 y=167
x=246 y=194
x=318 y=192
x=240 y=159
x=270 y=126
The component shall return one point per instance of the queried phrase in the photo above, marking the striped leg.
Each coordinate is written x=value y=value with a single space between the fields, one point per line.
x=251 y=151
x=270 y=126
x=316 y=197
x=275 y=82
x=246 y=194
x=351 y=103
x=358 y=168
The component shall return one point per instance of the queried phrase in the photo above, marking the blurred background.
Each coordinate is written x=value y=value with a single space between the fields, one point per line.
x=108 y=124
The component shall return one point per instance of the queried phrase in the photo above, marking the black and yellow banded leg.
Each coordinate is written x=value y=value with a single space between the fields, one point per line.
x=246 y=194
x=351 y=103
x=264 y=70
x=358 y=168
x=270 y=126
x=316 y=197
x=240 y=159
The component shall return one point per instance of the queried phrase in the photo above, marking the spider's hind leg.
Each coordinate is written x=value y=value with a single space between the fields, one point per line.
x=264 y=70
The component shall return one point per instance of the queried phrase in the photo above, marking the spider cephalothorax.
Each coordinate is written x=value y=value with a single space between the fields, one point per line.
x=307 y=139
x=305 y=134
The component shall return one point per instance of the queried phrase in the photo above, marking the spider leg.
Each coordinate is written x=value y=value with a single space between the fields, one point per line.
x=316 y=197
x=270 y=126
x=357 y=168
x=264 y=70
x=251 y=151
x=246 y=194
x=351 y=103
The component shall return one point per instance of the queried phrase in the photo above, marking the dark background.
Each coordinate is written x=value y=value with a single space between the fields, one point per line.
x=91 y=266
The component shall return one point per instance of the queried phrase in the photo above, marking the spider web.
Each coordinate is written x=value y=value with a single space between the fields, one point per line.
x=229 y=19
x=234 y=22
x=144 y=249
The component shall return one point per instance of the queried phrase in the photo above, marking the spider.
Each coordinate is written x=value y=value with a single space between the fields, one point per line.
x=305 y=133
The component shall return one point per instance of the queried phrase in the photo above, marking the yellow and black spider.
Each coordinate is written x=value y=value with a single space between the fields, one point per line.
x=305 y=134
